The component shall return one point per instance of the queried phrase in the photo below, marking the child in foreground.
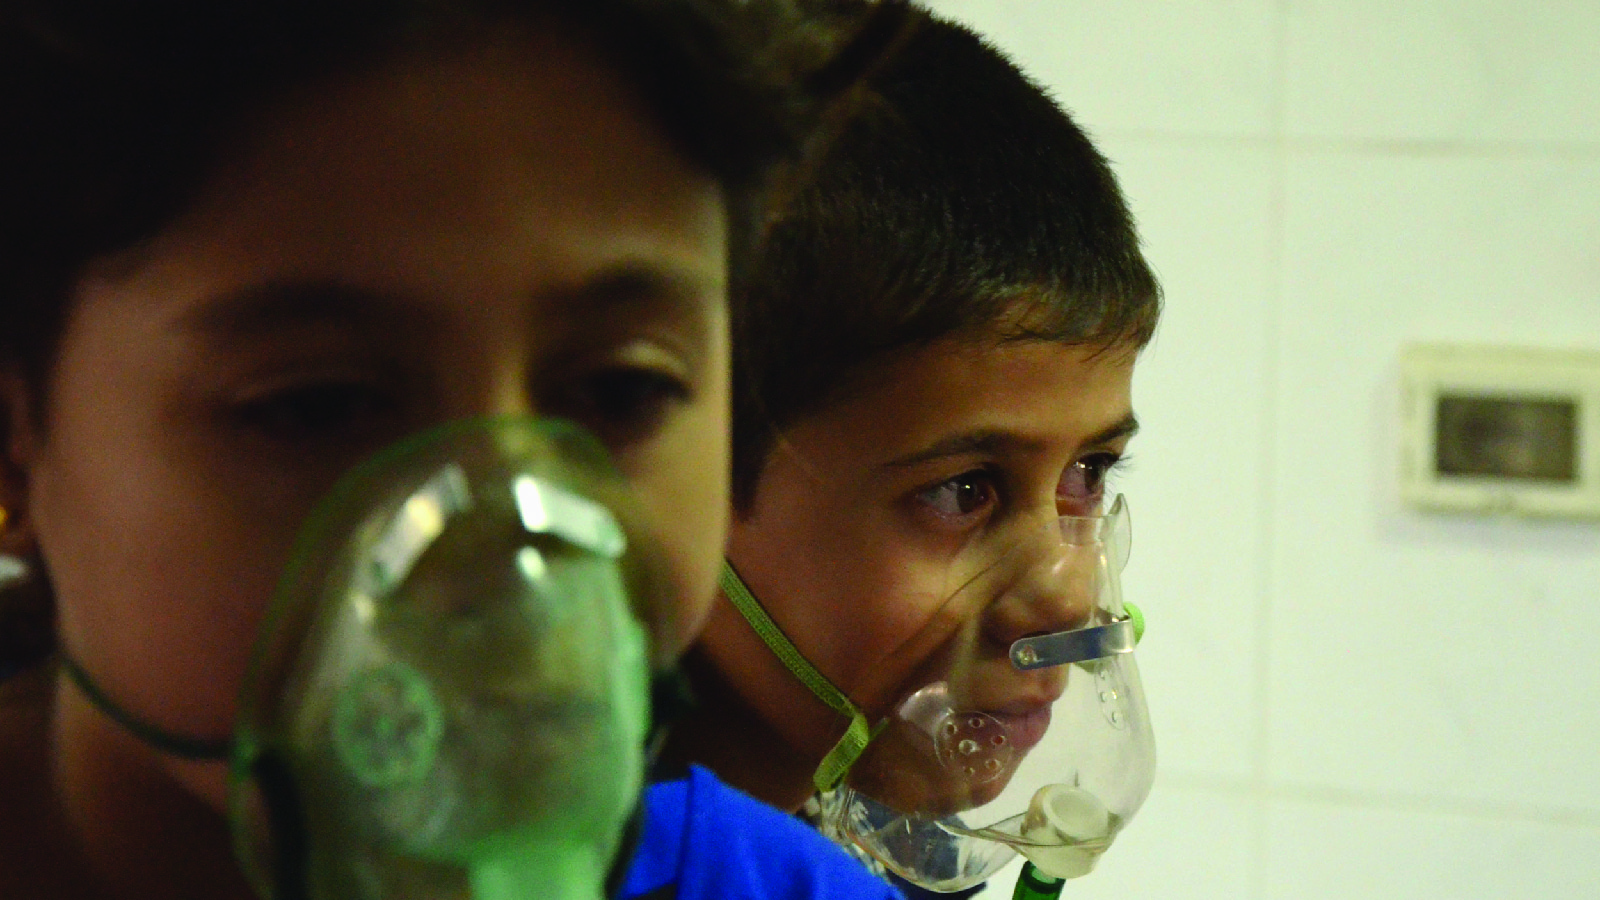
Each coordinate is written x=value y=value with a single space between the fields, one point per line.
x=242 y=247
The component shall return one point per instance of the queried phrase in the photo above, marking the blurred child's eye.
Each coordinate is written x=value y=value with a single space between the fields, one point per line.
x=316 y=411
x=1083 y=485
x=624 y=404
x=967 y=494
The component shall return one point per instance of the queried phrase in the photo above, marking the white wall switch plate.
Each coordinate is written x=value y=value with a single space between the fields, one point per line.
x=1501 y=430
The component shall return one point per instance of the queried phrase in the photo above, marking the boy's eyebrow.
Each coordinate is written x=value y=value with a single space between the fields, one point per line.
x=1127 y=426
x=992 y=443
x=981 y=443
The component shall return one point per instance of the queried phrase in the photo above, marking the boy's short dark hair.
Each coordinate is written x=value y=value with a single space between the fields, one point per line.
x=960 y=200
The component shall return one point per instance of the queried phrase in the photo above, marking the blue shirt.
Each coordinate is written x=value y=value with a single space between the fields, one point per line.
x=703 y=840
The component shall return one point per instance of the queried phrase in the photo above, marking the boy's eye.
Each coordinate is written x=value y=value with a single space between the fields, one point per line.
x=1083 y=485
x=625 y=403
x=964 y=495
x=316 y=411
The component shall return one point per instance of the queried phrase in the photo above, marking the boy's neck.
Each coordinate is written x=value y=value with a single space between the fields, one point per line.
x=726 y=735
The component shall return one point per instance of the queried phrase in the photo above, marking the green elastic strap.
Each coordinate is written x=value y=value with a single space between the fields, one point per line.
x=837 y=763
x=165 y=741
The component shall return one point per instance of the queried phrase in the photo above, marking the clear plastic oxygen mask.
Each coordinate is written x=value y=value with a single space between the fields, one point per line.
x=450 y=696
x=1041 y=748
x=1036 y=743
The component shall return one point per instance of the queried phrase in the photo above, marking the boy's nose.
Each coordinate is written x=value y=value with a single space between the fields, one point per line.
x=1056 y=589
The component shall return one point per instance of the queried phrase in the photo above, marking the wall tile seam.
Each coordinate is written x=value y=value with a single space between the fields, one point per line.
x=1272 y=328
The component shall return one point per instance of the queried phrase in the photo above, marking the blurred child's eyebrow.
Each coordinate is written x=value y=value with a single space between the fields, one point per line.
x=264 y=308
x=634 y=285
x=994 y=443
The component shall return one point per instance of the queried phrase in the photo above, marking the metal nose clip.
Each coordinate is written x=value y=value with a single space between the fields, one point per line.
x=1075 y=645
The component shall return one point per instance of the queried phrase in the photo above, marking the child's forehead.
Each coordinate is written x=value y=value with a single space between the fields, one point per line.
x=970 y=361
x=394 y=190
x=1024 y=324
x=1016 y=386
x=491 y=129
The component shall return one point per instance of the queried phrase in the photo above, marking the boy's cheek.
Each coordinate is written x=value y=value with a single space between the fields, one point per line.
x=683 y=489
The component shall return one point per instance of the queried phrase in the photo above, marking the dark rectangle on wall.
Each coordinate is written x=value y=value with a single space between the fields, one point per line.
x=1520 y=438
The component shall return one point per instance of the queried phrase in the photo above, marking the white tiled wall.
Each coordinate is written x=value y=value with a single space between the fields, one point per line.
x=1353 y=700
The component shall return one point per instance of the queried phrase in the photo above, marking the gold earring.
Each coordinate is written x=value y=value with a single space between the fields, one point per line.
x=4 y=516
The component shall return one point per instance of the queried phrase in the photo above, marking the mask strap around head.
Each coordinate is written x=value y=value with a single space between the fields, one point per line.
x=837 y=763
x=178 y=745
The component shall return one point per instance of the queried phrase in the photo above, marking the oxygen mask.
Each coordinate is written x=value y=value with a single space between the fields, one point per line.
x=1024 y=730
x=450 y=697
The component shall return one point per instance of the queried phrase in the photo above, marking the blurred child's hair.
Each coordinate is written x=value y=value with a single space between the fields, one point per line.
x=959 y=201
x=116 y=111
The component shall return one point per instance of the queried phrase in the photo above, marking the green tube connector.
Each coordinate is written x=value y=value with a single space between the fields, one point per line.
x=1033 y=884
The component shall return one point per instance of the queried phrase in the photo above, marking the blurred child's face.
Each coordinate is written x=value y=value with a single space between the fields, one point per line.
x=501 y=233
x=871 y=515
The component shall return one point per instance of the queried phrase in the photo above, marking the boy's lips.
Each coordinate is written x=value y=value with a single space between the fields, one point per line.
x=1022 y=708
x=1025 y=726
